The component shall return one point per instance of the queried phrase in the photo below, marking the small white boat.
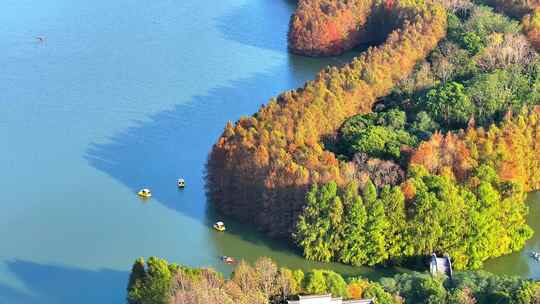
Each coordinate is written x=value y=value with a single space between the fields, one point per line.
x=228 y=260
x=219 y=226
x=535 y=255
x=181 y=183
x=145 y=193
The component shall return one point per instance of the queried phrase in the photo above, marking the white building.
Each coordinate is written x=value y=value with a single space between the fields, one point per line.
x=327 y=299
x=441 y=265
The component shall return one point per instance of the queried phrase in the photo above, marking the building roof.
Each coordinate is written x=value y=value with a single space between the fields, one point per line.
x=361 y=301
x=327 y=299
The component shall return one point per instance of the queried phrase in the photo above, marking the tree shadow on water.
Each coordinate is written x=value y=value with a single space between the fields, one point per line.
x=48 y=284
x=175 y=143
x=263 y=24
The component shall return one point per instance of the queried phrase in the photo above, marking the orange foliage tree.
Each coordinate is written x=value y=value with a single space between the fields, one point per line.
x=443 y=152
x=512 y=148
x=531 y=27
x=327 y=27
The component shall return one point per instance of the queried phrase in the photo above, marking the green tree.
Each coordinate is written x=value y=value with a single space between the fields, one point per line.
x=472 y=42
x=335 y=233
x=423 y=125
x=393 y=201
x=313 y=228
x=419 y=288
x=353 y=231
x=335 y=284
x=298 y=276
x=449 y=104
x=136 y=279
x=369 y=193
x=158 y=283
x=316 y=282
x=381 y=296
x=376 y=227
x=154 y=286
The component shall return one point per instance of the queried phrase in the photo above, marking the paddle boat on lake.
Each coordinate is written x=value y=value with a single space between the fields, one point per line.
x=181 y=183
x=145 y=193
x=535 y=255
x=219 y=226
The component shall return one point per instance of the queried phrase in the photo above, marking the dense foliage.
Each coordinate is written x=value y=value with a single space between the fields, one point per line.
x=464 y=288
x=380 y=135
x=265 y=283
x=442 y=165
x=431 y=214
x=150 y=283
x=464 y=192
x=260 y=168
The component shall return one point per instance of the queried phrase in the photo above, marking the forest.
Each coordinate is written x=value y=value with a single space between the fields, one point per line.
x=157 y=281
x=425 y=143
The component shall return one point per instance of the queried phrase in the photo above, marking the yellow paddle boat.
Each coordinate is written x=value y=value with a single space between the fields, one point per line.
x=181 y=183
x=145 y=193
x=219 y=226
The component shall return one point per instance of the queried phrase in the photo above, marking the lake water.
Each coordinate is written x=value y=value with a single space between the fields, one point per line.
x=118 y=96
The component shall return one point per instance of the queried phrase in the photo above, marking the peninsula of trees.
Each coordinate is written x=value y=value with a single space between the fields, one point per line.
x=428 y=142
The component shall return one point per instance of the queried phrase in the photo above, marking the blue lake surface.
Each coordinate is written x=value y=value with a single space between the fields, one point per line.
x=118 y=96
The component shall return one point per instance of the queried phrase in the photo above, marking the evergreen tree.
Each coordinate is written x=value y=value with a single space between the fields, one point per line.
x=316 y=282
x=335 y=233
x=135 y=282
x=369 y=193
x=335 y=284
x=353 y=231
x=152 y=286
x=314 y=227
x=394 y=206
x=376 y=228
x=158 y=284
x=137 y=273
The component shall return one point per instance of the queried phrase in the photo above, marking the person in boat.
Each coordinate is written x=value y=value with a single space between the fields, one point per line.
x=228 y=259
x=145 y=193
x=181 y=183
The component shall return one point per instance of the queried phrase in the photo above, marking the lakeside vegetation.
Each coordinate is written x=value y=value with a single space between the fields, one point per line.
x=460 y=192
x=159 y=282
x=426 y=143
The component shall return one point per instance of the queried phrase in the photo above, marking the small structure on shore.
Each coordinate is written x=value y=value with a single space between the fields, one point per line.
x=327 y=299
x=440 y=265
